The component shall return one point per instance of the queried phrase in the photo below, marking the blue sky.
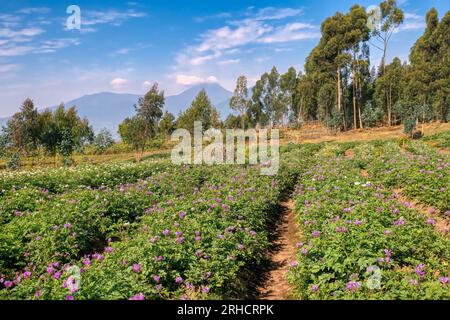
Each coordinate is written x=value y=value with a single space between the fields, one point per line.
x=123 y=46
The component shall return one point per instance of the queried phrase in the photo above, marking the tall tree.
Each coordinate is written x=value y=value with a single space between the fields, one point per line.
x=150 y=110
x=356 y=37
x=133 y=132
x=272 y=96
x=239 y=101
x=288 y=85
x=430 y=69
x=142 y=127
x=389 y=85
x=257 y=112
x=391 y=17
x=103 y=140
x=23 y=128
x=304 y=99
x=202 y=110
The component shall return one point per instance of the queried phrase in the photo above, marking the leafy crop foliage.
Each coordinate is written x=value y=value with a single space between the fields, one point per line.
x=360 y=241
x=156 y=231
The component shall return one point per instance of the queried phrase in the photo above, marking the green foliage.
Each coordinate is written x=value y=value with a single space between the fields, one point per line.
x=427 y=81
x=233 y=122
x=149 y=109
x=13 y=162
x=61 y=131
x=103 y=141
x=335 y=120
x=167 y=124
x=202 y=110
x=23 y=128
x=353 y=227
x=372 y=115
x=409 y=125
x=138 y=130
x=239 y=101
x=3 y=144
x=206 y=251
x=132 y=131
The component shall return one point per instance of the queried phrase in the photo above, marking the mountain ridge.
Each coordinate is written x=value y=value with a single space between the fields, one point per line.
x=108 y=109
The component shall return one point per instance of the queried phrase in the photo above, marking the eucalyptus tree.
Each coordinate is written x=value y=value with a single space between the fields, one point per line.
x=288 y=85
x=389 y=19
x=240 y=101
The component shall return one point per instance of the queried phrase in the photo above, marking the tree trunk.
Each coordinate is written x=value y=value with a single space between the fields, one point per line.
x=359 y=95
x=339 y=88
x=355 y=126
x=359 y=113
x=384 y=53
x=390 y=105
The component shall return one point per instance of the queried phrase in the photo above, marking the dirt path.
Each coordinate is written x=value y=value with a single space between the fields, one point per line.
x=277 y=287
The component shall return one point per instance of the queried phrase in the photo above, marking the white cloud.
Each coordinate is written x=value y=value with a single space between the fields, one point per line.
x=14 y=51
x=212 y=79
x=12 y=39
x=9 y=20
x=53 y=45
x=283 y=49
x=292 y=32
x=113 y=17
x=257 y=27
x=271 y=13
x=187 y=80
x=221 y=15
x=229 y=61
x=30 y=10
x=409 y=15
x=118 y=83
x=412 y=26
x=147 y=84
x=123 y=51
x=4 y=68
x=262 y=59
x=26 y=32
x=412 y=22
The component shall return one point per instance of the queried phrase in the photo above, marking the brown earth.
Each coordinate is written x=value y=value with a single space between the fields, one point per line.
x=276 y=286
x=316 y=132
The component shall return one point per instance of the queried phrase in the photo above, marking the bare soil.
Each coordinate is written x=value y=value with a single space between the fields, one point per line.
x=283 y=252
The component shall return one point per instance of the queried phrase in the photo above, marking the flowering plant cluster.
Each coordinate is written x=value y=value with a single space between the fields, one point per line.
x=419 y=170
x=183 y=233
x=85 y=176
x=359 y=242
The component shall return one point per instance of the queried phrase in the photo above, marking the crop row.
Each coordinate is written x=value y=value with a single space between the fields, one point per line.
x=88 y=176
x=193 y=243
x=193 y=233
x=359 y=242
x=69 y=224
x=419 y=171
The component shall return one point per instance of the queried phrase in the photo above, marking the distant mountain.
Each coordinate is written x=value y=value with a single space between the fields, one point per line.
x=217 y=94
x=107 y=110
x=3 y=122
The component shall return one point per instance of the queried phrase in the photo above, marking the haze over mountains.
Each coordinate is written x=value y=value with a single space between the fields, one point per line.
x=108 y=110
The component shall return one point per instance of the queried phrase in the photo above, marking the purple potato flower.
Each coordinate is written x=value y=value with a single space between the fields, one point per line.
x=136 y=268
x=353 y=285
x=138 y=297
x=179 y=280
